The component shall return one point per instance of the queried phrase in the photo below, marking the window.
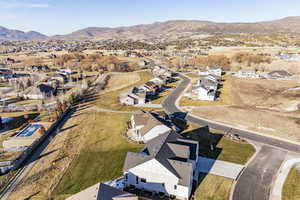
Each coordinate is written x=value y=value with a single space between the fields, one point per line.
x=143 y=180
x=175 y=187
x=163 y=184
x=137 y=180
x=126 y=176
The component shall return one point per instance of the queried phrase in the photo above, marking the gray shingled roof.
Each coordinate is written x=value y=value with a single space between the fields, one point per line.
x=107 y=192
x=149 y=120
x=171 y=150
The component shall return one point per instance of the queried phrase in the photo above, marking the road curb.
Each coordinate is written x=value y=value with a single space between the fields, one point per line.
x=257 y=149
x=228 y=125
x=285 y=168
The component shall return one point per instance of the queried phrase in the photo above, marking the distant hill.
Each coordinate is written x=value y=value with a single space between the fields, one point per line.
x=9 y=34
x=180 y=28
x=168 y=30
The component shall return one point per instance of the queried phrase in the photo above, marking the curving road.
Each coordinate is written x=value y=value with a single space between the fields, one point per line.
x=256 y=180
x=170 y=106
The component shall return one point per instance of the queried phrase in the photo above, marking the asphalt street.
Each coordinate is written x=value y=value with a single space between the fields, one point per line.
x=170 y=106
x=256 y=180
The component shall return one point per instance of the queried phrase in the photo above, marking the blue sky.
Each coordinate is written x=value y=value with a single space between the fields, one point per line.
x=64 y=16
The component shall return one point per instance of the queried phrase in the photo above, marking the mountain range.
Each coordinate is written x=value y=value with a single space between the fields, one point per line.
x=165 y=30
x=10 y=34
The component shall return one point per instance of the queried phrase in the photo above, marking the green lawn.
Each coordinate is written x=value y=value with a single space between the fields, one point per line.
x=223 y=148
x=291 y=187
x=214 y=187
x=110 y=100
x=214 y=145
x=102 y=156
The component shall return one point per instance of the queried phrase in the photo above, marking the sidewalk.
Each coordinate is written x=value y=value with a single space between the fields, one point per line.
x=276 y=192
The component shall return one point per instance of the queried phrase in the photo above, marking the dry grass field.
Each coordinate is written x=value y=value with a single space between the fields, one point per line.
x=122 y=80
x=266 y=106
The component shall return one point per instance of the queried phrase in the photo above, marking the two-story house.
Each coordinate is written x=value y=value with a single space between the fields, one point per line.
x=167 y=165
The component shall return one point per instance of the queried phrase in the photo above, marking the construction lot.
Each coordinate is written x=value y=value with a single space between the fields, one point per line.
x=267 y=106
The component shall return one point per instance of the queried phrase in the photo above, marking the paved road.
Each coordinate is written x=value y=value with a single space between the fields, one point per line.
x=255 y=182
x=170 y=106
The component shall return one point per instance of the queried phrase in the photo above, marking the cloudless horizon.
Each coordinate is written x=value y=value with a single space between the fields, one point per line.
x=53 y=17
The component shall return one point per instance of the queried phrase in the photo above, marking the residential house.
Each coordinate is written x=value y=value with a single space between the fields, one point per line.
x=101 y=191
x=204 y=93
x=144 y=126
x=203 y=72
x=39 y=68
x=40 y=91
x=158 y=70
x=167 y=165
x=150 y=88
x=134 y=96
x=279 y=75
x=215 y=70
x=60 y=78
x=209 y=82
x=247 y=73
x=206 y=88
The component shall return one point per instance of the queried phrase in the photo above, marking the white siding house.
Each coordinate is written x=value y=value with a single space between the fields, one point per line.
x=144 y=126
x=204 y=93
x=166 y=165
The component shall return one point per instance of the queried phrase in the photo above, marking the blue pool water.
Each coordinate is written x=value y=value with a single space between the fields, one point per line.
x=29 y=130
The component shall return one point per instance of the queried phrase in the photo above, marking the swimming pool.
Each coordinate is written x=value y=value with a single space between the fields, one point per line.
x=29 y=130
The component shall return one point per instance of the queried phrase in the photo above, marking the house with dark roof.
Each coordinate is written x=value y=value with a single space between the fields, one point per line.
x=144 y=126
x=167 y=165
x=102 y=191
x=40 y=91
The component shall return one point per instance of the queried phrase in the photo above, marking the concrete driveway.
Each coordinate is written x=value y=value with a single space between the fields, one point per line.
x=220 y=168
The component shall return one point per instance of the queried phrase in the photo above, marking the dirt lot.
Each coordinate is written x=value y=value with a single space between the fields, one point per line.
x=266 y=106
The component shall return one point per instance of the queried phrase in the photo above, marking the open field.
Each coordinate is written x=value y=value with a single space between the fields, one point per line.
x=223 y=148
x=28 y=102
x=214 y=187
x=291 y=188
x=192 y=75
x=122 y=80
x=110 y=100
x=260 y=105
x=82 y=154
x=103 y=154
x=225 y=97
